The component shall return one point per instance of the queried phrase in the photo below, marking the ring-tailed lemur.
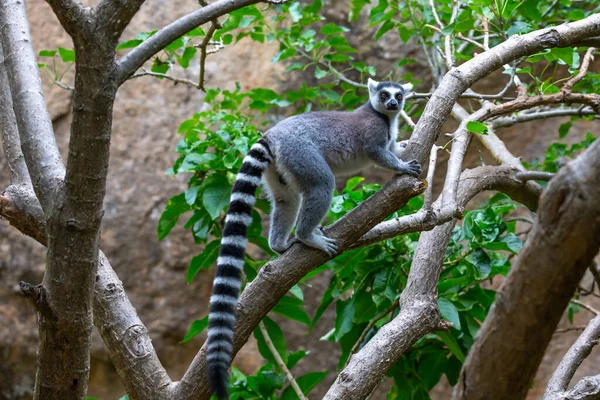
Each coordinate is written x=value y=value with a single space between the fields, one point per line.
x=299 y=159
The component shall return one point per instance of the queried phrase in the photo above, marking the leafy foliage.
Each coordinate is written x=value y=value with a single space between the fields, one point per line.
x=365 y=283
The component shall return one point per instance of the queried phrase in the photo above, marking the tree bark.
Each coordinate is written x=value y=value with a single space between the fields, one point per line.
x=528 y=306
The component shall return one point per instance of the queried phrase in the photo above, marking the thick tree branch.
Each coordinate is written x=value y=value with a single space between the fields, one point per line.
x=278 y=276
x=122 y=331
x=138 y=56
x=558 y=384
x=462 y=77
x=351 y=383
x=33 y=121
x=114 y=16
x=17 y=168
x=418 y=308
x=70 y=13
x=559 y=249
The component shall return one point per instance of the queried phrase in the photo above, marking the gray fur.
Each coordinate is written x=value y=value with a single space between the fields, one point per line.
x=310 y=150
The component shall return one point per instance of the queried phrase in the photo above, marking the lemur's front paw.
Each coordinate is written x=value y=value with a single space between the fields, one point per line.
x=413 y=168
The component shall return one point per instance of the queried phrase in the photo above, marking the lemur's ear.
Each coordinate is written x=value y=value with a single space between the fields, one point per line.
x=372 y=85
x=407 y=88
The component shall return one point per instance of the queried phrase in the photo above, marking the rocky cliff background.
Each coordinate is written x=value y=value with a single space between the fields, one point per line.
x=147 y=115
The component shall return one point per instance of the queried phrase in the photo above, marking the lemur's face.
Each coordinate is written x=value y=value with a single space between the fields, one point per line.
x=388 y=97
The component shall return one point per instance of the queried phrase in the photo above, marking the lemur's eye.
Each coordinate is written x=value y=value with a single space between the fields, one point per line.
x=399 y=97
x=383 y=96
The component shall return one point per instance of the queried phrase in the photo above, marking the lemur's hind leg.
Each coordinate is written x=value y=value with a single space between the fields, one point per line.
x=285 y=203
x=316 y=182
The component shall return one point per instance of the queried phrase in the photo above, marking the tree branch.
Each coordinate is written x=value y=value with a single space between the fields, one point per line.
x=559 y=382
x=125 y=336
x=534 y=175
x=70 y=13
x=519 y=117
x=585 y=64
x=280 y=362
x=418 y=307
x=33 y=121
x=113 y=17
x=17 y=168
x=136 y=58
x=276 y=277
x=531 y=301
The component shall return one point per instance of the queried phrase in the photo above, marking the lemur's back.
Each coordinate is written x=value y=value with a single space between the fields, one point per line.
x=337 y=135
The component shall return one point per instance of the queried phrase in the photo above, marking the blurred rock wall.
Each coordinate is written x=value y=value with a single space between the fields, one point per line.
x=147 y=115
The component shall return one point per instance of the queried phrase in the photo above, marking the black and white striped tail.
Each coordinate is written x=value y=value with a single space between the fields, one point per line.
x=227 y=283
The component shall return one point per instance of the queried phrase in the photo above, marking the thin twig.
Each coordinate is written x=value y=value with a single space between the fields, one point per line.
x=534 y=176
x=407 y=119
x=550 y=7
x=145 y=72
x=570 y=329
x=430 y=174
x=213 y=27
x=370 y=326
x=280 y=362
x=585 y=64
x=587 y=307
x=458 y=36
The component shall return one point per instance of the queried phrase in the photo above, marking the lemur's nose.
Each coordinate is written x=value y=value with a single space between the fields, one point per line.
x=392 y=105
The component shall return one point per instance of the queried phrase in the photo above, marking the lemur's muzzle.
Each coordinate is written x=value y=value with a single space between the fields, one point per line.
x=392 y=105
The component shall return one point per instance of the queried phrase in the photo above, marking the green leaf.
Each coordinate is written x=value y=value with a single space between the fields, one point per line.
x=387 y=26
x=449 y=311
x=477 y=127
x=295 y=66
x=283 y=54
x=296 y=290
x=195 y=329
x=203 y=260
x=216 y=197
x=291 y=307
x=529 y=9
x=510 y=242
x=431 y=368
x=482 y=263
x=405 y=32
x=332 y=29
x=344 y=314
x=175 y=207
x=306 y=383
x=129 y=44
x=295 y=10
x=319 y=73
x=176 y=44
x=67 y=55
x=576 y=14
x=47 y=53
x=191 y=194
x=187 y=56
x=294 y=357
x=450 y=341
x=563 y=129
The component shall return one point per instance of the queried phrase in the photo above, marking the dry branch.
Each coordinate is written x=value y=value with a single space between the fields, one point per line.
x=559 y=382
x=138 y=56
x=33 y=121
x=352 y=382
x=560 y=247
x=418 y=307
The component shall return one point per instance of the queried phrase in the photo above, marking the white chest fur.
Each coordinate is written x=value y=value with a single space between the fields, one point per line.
x=393 y=134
